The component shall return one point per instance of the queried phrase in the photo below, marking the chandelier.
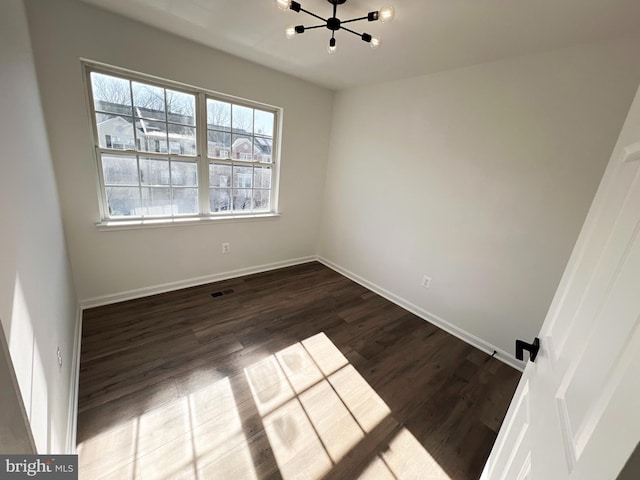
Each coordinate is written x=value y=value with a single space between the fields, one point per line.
x=334 y=23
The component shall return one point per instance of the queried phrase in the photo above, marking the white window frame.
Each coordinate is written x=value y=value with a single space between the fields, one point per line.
x=201 y=158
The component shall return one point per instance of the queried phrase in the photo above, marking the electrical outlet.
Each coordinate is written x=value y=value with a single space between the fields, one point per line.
x=59 y=358
x=226 y=247
x=426 y=281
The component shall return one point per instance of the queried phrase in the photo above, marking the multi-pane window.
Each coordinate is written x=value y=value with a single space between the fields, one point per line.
x=240 y=151
x=165 y=150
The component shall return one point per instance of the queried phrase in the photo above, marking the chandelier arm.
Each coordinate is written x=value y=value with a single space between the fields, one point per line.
x=313 y=14
x=353 y=20
x=315 y=26
x=350 y=31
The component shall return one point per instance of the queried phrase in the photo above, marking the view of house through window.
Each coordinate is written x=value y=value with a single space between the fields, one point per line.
x=153 y=147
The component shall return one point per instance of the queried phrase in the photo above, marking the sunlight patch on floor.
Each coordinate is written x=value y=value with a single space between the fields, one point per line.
x=176 y=440
x=296 y=445
x=331 y=419
x=317 y=409
x=362 y=401
x=219 y=439
x=407 y=458
x=377 y=470
x=112 y=450
x=304 y=408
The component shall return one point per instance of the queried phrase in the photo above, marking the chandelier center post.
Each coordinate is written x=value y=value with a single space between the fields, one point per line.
x=333 y=23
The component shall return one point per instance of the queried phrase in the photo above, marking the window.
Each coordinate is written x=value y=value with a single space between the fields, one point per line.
x=165 y=150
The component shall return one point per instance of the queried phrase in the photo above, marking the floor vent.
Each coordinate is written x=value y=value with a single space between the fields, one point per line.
x=223 y=292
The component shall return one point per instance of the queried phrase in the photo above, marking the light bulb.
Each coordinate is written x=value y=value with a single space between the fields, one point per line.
x=283 y=4
x=290 y=31
x=386 y=14
x=332 y=48
x=375 y=42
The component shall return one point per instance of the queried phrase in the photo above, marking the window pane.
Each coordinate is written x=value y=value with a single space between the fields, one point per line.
x=152 y=136
x=184 y=174
x=115 y=131
x=156 y=201
x=241 y=148
x=220 y=199
x=181 y=107
x=264 y=123
x=242 y=177
x=148 y=101
x=220 y=175
x=218 y=144
x=182 y=140
x=119 y=170
x=123 y=201
x=262 y=177
x=218 y=114
x=262 y=148
x=261 y=199
x=154 y=171
x=110 y=94
x=185 y=201
x=242 y=199
x=242 y=119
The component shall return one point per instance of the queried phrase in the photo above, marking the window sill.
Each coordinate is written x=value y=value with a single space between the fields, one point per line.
x=110 y=225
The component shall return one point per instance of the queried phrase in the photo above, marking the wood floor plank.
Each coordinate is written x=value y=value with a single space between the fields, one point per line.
x=292 y=373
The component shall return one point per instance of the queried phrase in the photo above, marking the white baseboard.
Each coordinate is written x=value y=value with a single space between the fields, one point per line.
x=191 y=282
x=467 y=337
x=72 y=423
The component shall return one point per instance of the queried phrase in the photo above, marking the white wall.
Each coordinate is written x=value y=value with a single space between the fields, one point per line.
x=37 y=299
x=106 y=263
x=479 y=177
x=15 y=433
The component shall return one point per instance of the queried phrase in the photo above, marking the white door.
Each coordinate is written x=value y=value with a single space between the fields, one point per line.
x=576 y=411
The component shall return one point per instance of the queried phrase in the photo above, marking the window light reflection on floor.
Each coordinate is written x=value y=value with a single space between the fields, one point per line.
x=306 y=404
x=118 y=445
x=199 y=432
x=317 y=408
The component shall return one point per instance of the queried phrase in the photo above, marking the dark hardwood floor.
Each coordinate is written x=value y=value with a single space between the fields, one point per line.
x=294 y=373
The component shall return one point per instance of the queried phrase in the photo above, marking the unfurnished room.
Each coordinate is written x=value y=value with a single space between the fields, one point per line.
x=320 y=239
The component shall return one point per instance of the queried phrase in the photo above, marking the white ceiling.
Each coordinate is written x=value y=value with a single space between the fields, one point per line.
x=426 y=36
